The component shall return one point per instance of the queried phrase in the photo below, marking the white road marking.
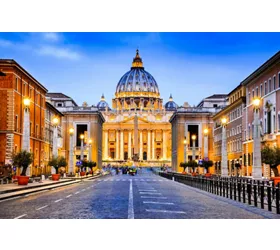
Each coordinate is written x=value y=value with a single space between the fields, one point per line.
x=142 y=180
x=20 y=216
x=77 y=192
x=159 y=180
x=105 y=180
x=68 y=195
x=10 y=199
x=59 y=200
x=150 y=193
x=156 y=202
x=130 y=202
x=165 y=211
x=147 y=190
x=124 y=180
x=153 y=197
x=84 y=189
x=41 y=207
x=99 y=180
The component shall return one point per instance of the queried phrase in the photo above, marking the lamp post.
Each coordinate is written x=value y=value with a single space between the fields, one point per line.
x=185 y=151
x=82 y=137
x=205 y=153
x=193 y=147
x=55 y=122
x=224 y=167
x=71 y=132
x=26 y=129
x=257 y=162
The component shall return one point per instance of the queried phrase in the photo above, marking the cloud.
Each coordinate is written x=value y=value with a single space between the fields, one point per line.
x=5 y=43
x=58 y=52
x=51 y=36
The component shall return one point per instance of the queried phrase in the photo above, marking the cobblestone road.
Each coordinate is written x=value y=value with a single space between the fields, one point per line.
x=144 y=196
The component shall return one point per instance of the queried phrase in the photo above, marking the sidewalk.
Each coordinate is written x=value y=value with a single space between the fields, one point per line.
x=12 y=190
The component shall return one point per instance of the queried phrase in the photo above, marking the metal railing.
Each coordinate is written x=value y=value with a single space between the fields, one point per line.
x=261 y=194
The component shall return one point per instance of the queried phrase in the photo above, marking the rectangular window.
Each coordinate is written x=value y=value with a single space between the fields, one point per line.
x=279 y=80
x=274 y=82
x=261 y=91
x=269 y=86
x=253 y=94
x=16 y=84
x=16 y=123
x=257 y=92
x=265 y=88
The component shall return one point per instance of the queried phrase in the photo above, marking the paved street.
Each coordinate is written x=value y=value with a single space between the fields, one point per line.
x=144 y=196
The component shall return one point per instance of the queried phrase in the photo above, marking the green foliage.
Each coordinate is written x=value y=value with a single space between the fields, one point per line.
x=192 y=164
x=57 y=162
x=183 y=165
x=271 y=156
x=22 y=159
x=91 y=164
x=207 y=164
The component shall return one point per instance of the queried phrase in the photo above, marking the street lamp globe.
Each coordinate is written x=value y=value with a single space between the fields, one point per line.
x=185 y=141
x=71 y=131
x=90 y=141
x=82 y=137
x=55 y=121
x=26 y=102
x=256 y=102
x=205 y=131
x=224 y=120
x=193 y=137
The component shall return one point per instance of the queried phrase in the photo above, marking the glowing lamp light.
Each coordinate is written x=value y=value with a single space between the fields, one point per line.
x=205 y=131
x=26 y=102
x=193 y=137
x=90 y=141
x=185 y=141
x=256 y=102
x=224 y=120
x=82 y=137
x=55 y=121
x=71 y=131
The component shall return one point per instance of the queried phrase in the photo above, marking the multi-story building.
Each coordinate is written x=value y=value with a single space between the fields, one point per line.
x=15 y=85
x=233 y=113
x=50 y=113
x=188 y=121
x=263 y=83
x=85 y=120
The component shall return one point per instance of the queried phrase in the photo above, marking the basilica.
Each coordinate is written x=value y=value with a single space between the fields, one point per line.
x=134 y=128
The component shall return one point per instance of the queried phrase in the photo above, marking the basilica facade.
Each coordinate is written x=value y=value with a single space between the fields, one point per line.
x=136 y=126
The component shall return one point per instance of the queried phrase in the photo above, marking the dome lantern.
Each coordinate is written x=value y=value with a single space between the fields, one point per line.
x=137 y=61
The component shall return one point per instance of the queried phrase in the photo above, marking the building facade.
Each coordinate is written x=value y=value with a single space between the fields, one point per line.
x=16 y=84
x=84 y=120
x=137 y=124
x=263 y=83
x=233 y=113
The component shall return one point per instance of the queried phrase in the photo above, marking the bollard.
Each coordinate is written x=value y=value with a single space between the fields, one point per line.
x=269 y=197
x=277 y=190
x=262 y=195
x=244 y=191
x=173 y=178
x=255 y=195
x=239 y=190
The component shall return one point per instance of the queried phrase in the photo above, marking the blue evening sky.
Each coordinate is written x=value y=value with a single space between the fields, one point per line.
x=191 y=66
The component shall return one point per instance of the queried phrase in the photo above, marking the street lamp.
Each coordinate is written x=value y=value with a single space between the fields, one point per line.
x=193 y=148
x=82 y=137
x=26 y=128
x=205 y=131
x=71 y=133
x=224 y=167
x=185 y=149
x=257 y=162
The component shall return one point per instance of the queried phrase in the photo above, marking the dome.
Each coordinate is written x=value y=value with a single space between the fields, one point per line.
x=102 y=104
x=137 y=79
x=171 y=105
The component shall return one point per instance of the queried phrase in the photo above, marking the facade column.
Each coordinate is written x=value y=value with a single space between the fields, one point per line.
x=121 y=142
x=224 y=167
x=164 y=144
x=149 y=146
x=153 y=145
x=129 y=144
x=106 y=144
x=205 y=146
x=117 y=145
x=141 y=146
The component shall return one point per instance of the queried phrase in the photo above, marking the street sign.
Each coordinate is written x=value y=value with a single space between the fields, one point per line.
x=199 y=162
x=78 y=163
x=206 y=159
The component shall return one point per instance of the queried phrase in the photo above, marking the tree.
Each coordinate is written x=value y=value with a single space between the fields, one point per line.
x=271 y=156
x=207 y=165
x=183 y=165
x=84 y=165
x=57 y=162
x=22 y=159
x=91 y=164
x=192 y=164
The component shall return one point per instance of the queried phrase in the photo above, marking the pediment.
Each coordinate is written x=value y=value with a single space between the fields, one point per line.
x=130 y=120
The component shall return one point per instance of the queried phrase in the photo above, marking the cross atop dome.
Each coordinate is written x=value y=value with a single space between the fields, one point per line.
x=137 y=61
